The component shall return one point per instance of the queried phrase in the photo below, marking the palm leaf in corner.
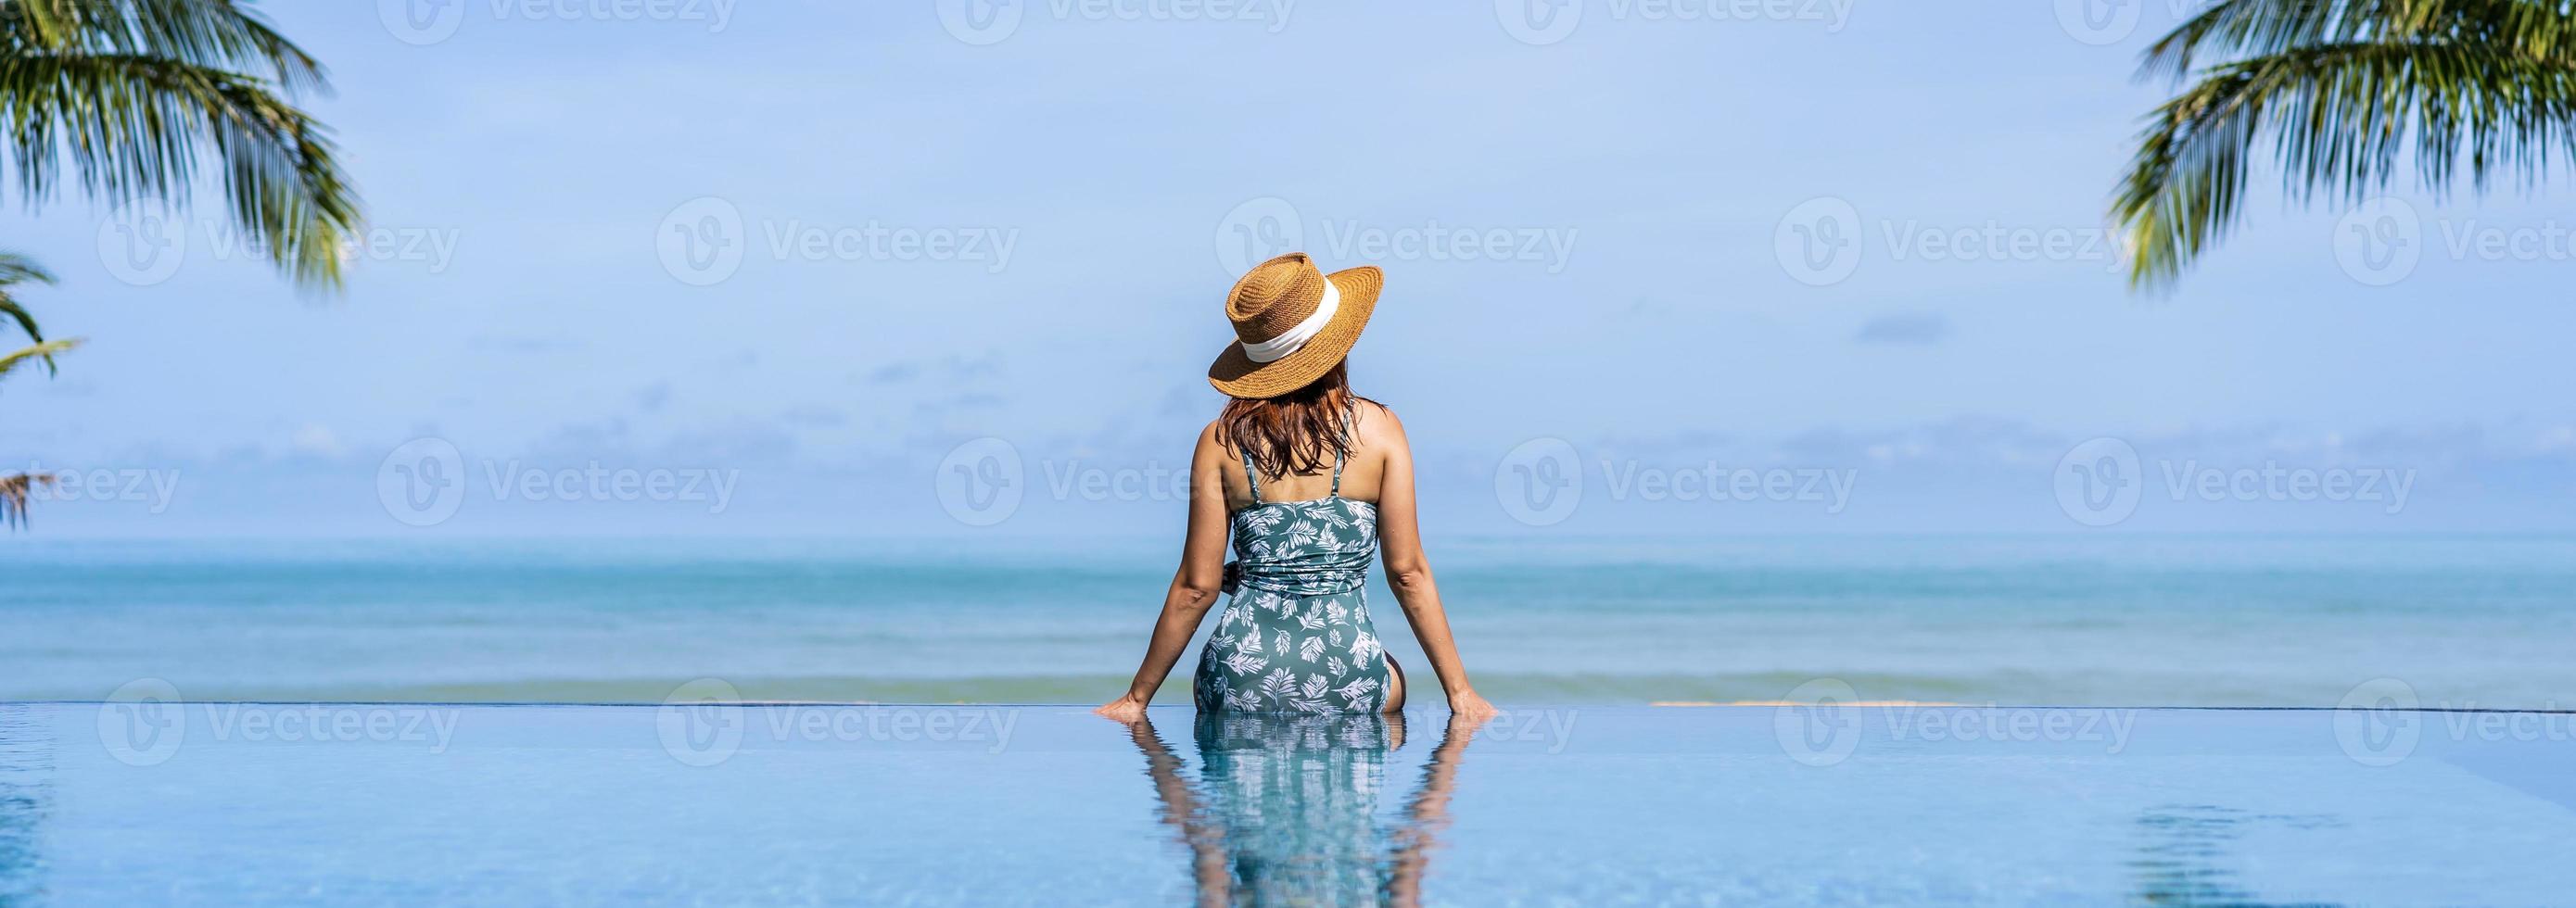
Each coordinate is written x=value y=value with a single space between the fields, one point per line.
x=140 y=99
x=2342 y=97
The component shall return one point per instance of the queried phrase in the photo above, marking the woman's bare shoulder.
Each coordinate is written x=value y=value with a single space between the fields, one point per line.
x=1208 y=445
x=1378 y=425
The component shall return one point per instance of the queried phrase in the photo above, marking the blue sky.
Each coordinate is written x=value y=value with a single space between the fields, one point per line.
x=913 y=234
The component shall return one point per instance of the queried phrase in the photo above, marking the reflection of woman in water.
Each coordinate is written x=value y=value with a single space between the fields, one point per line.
x=1308 y=480
x=1285 y=809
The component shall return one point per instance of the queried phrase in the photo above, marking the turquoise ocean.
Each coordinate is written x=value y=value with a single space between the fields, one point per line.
x=2460 y=621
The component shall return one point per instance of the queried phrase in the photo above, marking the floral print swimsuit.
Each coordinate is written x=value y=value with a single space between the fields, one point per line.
x=1296 y=637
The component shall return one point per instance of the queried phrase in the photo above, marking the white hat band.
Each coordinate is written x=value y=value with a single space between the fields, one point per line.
x=1295 y=338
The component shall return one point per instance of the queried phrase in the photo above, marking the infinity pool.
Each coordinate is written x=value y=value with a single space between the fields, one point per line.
x=149 y=802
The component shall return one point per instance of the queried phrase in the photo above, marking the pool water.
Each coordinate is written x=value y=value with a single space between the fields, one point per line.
x=145 y=801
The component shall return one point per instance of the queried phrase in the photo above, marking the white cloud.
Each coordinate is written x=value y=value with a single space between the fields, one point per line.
x=316 y=438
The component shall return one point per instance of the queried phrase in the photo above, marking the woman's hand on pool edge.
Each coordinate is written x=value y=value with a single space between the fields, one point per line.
x=1467 y=705
x=1123 y=709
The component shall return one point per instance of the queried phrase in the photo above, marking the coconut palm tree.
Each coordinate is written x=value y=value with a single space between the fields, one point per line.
x=2342 y=98
x=124 y=100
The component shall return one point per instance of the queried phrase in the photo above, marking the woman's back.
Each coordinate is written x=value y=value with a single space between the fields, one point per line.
x=1305 y=483
x=1297 y=636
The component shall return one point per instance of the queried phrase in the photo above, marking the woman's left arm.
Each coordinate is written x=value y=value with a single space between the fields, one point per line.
x=1194 y=587
x=1408 y=572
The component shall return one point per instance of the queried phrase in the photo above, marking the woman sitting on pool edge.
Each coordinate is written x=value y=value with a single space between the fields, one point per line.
x=1297 y=637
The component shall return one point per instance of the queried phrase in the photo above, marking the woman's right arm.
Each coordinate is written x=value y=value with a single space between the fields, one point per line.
x=1194 y=586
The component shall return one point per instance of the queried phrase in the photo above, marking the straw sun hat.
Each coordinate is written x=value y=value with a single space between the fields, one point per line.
x=1292 y=323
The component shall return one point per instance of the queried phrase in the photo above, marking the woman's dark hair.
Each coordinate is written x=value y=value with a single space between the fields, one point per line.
x=1296 y=433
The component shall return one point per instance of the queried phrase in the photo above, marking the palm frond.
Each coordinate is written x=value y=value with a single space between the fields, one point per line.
x=19 y=269
x=19 y=314
x=44 y=352
x=217 y=33
x=2338 y=119
x=135 y=99
x=26 y=322
x=2252 y=28
x=14 y=490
